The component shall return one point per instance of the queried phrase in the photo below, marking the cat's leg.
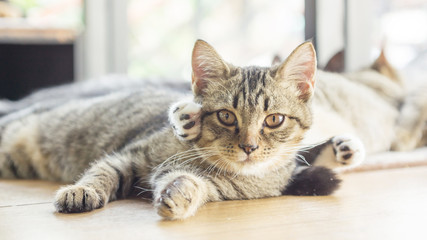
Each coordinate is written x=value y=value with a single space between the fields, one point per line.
x=179 y=193
x=312 y=181
x=20 y=152
x=184 y=116
x=339 y=152
x=106 y=180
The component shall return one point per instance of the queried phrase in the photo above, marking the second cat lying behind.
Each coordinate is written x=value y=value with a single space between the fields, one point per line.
x=366 y=106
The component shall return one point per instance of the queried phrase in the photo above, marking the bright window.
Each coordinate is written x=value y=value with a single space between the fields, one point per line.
x=162 y=33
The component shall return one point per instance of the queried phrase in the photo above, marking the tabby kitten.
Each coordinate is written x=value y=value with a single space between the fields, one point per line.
x=250 y=127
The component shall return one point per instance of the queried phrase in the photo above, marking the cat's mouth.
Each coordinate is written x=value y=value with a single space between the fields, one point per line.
x=246 y=159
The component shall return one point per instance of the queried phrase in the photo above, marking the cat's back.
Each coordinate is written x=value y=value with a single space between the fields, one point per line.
x=107 y=123
x=64 y=140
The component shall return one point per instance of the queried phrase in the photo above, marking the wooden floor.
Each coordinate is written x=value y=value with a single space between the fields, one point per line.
x=386 y=204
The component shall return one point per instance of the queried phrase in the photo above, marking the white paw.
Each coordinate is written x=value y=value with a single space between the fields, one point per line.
x=179 y=199
x=348 y=150
x=184 y=116
x=73 y=198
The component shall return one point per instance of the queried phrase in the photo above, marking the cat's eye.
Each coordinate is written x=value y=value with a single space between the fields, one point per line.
x=226 y=117
x=274 y=120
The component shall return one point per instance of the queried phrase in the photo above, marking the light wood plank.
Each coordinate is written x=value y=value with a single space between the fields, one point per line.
x=388 y=204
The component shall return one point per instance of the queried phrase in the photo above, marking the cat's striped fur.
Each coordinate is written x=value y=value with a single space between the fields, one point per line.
x=111 y=145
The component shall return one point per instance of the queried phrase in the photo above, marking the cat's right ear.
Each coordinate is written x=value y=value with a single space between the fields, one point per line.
x=207 y=66
x=299 y=69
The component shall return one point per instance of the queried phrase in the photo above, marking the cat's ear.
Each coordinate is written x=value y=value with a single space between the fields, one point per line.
x=276 y=60
x=207 y=66
x=300 y=69
x=383 y=66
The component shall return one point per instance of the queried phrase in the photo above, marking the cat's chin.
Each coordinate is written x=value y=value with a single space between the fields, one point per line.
x=253 y=166
x=246 y=159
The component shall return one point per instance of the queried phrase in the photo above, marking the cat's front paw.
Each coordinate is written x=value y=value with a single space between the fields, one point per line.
x=184 y=116
x=73 y=198
x=179 y=199
x=348 y=150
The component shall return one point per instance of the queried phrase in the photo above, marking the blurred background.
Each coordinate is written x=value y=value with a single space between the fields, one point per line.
x=51 y=42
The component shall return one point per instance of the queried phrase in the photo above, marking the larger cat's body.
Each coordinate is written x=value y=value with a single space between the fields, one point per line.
x=59 y=144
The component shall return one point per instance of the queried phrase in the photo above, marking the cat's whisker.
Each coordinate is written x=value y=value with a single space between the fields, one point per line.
x=144 y=198
x=310 y=146
x=180 y=155
x=227 y=166
x=145 y=189
x=298 y=147
x=209 y=169
x=189 y=156
x=204 y=158
x=142 y=192
x=223 y=168
x=296 y=156
x=220 y=166
x=214 y=166
x=301 y=158
x=141 y=181
x=195 y=158
x=200 y=153
x=236 y=173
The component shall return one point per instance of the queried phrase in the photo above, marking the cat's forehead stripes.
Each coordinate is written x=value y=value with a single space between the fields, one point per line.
x=266 y=104
x=251 y=87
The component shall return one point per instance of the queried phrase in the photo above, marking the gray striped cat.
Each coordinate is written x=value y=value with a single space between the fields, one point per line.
x=250 y=126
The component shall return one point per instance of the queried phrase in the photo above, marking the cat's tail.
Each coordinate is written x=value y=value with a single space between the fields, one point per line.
x=312 y=181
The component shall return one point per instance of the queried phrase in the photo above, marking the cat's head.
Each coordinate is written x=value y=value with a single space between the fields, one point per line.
x=254 y=117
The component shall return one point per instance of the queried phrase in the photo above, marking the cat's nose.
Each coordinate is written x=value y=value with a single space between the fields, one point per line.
x=247 y=148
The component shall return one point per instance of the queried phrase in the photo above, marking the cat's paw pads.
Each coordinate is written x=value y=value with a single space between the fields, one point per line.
x=178 y=200
x=73 y=198
x=348 y=150
x=184 y=117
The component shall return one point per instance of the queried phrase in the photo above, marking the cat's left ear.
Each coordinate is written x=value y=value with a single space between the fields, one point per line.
x=207 y=66
x=300 y=69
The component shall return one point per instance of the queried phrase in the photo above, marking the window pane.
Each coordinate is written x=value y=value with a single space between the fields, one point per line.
x=162 y=33
x=51 y=13
x=402 y=28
